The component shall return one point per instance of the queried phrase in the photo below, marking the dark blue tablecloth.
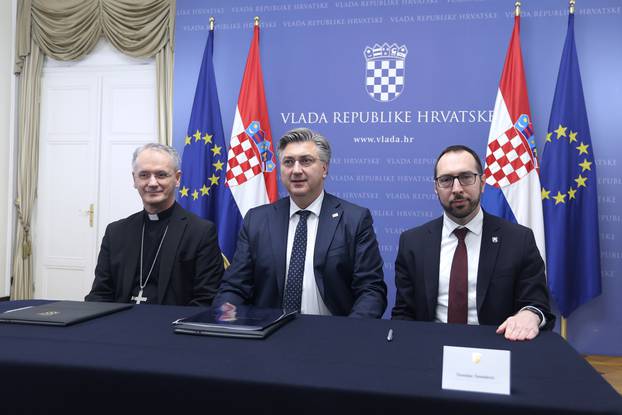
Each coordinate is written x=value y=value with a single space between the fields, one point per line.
x=132 y=361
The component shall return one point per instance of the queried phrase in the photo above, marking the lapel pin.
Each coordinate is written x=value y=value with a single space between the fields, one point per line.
x=335 y=215
x=495 y=239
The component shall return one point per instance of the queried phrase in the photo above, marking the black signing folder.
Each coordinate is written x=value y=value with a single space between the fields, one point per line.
x=234 y=321
x=60 y=313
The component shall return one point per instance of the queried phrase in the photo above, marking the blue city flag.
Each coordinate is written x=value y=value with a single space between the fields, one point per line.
x=569 y=198
x=204 y=162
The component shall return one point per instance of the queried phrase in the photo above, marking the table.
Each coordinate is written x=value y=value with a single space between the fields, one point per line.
x=132 y=361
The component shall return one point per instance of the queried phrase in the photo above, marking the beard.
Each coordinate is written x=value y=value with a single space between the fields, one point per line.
x=463 y=210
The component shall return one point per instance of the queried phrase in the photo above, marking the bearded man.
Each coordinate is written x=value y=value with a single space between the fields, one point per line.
x=470 y=267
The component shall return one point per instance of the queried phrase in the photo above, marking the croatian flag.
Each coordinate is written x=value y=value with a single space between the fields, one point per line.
x=512 y=171
x=251 y=162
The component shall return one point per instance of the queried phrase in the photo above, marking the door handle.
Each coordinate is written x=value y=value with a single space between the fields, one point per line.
x=91 y=213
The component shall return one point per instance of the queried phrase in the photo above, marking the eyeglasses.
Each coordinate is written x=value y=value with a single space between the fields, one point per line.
x=447 y=180
x=159 y=175
x=304 y=161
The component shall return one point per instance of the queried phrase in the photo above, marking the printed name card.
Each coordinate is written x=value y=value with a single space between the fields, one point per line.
x=476 y=370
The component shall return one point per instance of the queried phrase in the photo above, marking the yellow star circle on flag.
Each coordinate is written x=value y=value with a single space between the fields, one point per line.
x=207 y=138
x=213 y=179
x=545 y=194
x=560 y=198
x=582 y=148
x=216 y=150
x=204 y=190
x=218 y=165
x=197 y=135
x=581 y=181
x=561 y=131
x=184 y=191
x=586 y=165
x=571 y=193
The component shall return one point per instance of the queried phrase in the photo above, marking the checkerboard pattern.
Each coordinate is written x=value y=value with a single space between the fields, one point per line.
x=508 y=159
x=385 y=79
x=243 y=161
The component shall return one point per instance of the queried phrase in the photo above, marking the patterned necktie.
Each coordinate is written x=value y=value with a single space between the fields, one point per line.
x=293 y=286
x=457 y=310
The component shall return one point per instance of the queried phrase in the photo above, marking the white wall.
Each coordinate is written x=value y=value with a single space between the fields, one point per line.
x=6 y=75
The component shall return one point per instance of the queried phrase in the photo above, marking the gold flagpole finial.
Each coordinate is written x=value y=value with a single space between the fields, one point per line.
x=256 y=20
x=211 y=23
x=517 y=9
x=572 y=6
x=564 y=329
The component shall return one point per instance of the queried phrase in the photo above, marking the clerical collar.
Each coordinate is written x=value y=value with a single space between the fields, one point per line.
x=154 y=217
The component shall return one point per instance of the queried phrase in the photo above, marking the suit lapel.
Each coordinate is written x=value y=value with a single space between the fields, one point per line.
x=131 y=251
x=279 y=224
x=168 y=253
x=431 y=260
x=330 y=216
x=489 y=248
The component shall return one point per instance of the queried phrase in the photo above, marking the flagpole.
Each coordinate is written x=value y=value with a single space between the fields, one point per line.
x=211 y=23
x=564 y=323
x=517 y=9
x=256 y=20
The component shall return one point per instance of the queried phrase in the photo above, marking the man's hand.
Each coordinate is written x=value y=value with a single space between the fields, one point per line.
x=521 y=326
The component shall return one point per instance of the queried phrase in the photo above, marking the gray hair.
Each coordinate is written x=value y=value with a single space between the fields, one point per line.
x=174 y=155
x=301 y=135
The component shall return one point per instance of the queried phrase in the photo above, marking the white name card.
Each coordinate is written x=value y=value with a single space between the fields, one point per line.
x=476 y=370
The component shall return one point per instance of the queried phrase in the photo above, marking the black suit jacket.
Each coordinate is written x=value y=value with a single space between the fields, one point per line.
x=191 y=265
x=346 y=262
x=510 y=273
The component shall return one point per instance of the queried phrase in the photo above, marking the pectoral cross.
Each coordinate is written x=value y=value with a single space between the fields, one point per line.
x=139 y=297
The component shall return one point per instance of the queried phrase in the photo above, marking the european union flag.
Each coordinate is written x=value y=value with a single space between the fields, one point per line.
x=204 y=162
x=568 y=174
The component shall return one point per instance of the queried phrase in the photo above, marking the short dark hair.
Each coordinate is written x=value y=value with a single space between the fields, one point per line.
x=301 y=135
x=456 y=149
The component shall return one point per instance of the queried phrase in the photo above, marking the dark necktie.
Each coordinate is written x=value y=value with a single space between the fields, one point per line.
x=293 y=286
x=457 y=310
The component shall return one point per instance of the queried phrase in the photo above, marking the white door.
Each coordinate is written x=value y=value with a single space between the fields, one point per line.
x=93 y=115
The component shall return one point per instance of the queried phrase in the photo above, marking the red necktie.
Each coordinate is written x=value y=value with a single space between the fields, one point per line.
x=457 y=310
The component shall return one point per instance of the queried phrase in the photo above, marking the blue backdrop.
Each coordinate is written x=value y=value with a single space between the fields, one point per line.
x=383 y=152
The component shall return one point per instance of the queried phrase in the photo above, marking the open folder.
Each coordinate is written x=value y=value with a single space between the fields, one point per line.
x=234 y=321
x=60 y=313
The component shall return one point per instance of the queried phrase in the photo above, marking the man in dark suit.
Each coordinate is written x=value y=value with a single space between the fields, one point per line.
x=163 y=254
x=468 y=266
x=310 y=251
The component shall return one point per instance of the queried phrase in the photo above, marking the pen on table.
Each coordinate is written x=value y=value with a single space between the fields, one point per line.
x=17 y=309
x=390 y=335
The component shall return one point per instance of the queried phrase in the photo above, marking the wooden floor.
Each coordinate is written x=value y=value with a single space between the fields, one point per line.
x=610 y=367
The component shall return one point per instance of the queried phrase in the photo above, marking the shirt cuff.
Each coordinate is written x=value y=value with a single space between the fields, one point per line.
x=537 y=311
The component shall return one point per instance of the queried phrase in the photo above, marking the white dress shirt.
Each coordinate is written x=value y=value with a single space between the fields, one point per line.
x=449 y=243
x=312 y=302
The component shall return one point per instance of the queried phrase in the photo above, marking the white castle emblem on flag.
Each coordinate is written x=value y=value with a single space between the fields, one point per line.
x=385 y=71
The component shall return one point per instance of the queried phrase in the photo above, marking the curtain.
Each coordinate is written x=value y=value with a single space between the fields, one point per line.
x=27 y=171
x=69 y=30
